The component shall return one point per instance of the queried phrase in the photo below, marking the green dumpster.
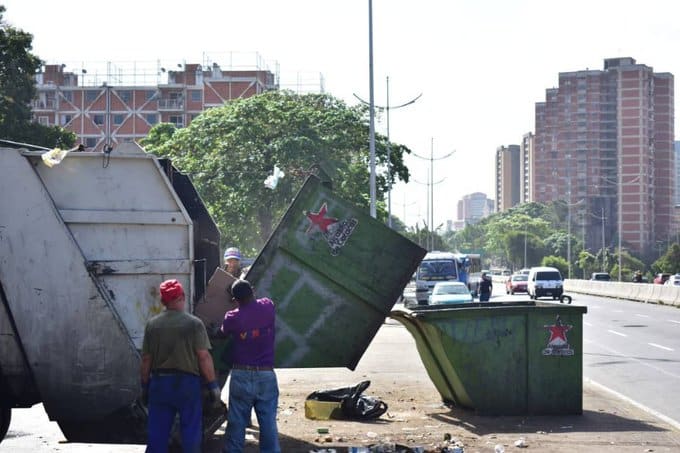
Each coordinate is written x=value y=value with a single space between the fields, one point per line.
x=506 y=358
x=334 y=274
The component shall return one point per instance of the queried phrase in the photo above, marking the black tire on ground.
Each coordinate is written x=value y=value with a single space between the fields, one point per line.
x=5 y=418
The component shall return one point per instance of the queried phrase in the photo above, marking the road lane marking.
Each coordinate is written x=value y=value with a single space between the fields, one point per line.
x=641 y=362
x=647 y=409
x=617 y=333
x=677 y=322
x=660 y=347
x=642 y=316
x=617 y=311
x=590 y=325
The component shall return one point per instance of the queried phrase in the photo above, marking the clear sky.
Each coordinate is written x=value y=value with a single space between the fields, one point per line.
x=480 y=64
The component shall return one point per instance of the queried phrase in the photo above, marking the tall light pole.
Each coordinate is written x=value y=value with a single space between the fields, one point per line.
x=432 y=183
x=371 y=132
x=387 y=108
x=525 y=246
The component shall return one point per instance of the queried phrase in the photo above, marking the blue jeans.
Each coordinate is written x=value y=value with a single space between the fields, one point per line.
x=248 y=390
x=168 y=395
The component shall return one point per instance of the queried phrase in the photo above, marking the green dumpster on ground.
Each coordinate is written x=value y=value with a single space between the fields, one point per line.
x=503 y=358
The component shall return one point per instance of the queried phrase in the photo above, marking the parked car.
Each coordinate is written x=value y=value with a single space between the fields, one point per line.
x=661 y=278
x=449 y=293
x=545 y=281
x=673 y=280
x=516 y=284
x=600 y=277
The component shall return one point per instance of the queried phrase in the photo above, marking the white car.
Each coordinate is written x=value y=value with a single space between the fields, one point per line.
x=673 y=280
x=450 y=293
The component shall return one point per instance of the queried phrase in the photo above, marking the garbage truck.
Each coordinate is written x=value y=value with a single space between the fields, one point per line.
x=85 y=243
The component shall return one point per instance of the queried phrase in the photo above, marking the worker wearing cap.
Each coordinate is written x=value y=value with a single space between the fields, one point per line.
x=253 y=381
x=232 y=261
x=175 y=354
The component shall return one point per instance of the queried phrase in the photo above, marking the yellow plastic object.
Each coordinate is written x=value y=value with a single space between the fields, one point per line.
x=322 y=410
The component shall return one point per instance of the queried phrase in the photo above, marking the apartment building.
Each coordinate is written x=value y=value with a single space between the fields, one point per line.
x=508 y=177
x=604 y=144
x=107 y=109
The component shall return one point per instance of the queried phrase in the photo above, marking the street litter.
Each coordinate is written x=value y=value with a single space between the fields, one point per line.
x=521 y=443
x=499 y=448
x=344 y=403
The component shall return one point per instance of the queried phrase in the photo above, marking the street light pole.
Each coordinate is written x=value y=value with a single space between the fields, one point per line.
x=389 y=159
x=525 y=246
x=371 y=133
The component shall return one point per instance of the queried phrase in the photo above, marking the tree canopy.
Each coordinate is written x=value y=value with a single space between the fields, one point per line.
x=229 y=151
x=17 y=89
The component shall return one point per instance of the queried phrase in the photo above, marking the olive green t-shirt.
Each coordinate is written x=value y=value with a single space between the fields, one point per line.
x=172 y=339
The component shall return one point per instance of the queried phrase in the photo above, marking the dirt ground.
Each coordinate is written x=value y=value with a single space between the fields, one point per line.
x=607 y=424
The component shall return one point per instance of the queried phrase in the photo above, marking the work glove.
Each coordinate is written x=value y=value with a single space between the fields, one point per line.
x=214 y=393
x=145 y=394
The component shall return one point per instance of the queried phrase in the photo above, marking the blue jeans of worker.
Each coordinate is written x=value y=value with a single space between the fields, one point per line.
x=170 y=394
x=248 y=390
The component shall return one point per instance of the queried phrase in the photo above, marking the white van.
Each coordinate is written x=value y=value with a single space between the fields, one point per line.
x=543 y=282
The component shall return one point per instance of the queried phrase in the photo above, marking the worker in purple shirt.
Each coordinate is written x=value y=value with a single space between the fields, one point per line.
x=253 y=381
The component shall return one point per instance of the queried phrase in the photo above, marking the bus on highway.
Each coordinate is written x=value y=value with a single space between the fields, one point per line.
x=443 y=266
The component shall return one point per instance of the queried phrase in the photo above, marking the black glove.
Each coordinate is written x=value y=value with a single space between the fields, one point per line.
x=214 y=393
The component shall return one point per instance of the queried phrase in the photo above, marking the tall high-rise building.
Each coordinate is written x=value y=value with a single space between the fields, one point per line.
x=474 y=207
x=526 y=153
x=111 y=107
x=508 y=177
x=604 y=144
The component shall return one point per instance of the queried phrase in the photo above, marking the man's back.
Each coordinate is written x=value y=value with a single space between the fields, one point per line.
x=252 y=326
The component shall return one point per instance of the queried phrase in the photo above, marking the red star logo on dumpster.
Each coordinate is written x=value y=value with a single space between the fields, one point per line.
x=558 y=334
x=320 y=220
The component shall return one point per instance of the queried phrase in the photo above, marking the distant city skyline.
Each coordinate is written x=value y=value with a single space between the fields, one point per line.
x=481 y=66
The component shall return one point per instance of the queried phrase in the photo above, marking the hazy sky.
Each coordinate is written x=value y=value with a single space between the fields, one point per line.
x=480 y=64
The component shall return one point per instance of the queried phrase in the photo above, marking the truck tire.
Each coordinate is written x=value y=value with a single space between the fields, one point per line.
x=5 y=418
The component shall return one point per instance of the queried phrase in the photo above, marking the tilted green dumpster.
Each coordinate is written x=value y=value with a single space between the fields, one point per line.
x=503 y=358
x=334 y=274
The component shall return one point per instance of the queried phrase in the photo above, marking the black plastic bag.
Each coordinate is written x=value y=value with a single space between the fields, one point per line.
x=353 y=404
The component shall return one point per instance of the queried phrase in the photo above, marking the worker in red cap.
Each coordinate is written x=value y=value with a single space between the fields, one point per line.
x=175 y=354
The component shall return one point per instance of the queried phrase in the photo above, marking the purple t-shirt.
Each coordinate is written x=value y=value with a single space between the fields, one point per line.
x=252 y=328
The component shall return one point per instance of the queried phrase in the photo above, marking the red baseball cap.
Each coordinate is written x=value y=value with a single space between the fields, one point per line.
x=170 y=291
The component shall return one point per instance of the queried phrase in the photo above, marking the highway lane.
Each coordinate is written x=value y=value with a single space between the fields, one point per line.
x=634 y=349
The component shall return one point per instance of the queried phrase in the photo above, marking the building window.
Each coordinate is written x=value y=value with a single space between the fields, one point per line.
x=149 y=94
x=196 y=95
x=90 y=142
x=65 y=119
x=125 y=96
x=177 y=120
x=44 y=120
x=118 y=119
x=68 y=95
x=151 y=118
x=98 y=119
x=91 y=95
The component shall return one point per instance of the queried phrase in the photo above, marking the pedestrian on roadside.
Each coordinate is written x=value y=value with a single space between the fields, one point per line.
x=232 y=261
x=485 y=287
x=253 y=382
x=175 y=354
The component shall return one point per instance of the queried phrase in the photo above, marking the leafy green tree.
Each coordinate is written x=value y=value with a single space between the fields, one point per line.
x=17 y=89
x=629 y=264
x=669 y=262
x=587 y=262
x=557 y=262
x=229 y=151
